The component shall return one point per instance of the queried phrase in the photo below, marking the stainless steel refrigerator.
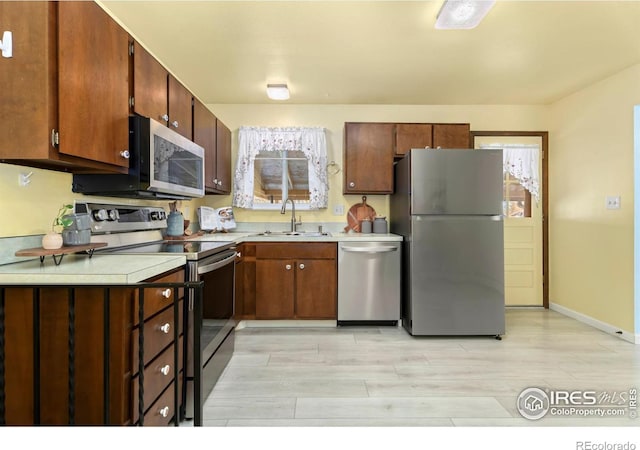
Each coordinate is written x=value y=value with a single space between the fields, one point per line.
x=448 y=207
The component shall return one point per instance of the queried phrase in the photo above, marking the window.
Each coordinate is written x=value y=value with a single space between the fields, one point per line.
x=279 y=175
x=279 y=163
x=520 y=176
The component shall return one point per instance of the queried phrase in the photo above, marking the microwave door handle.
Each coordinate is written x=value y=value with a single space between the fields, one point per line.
x=216 y=265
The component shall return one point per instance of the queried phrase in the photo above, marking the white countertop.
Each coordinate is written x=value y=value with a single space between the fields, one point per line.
x=79 y=269
x=280 y=237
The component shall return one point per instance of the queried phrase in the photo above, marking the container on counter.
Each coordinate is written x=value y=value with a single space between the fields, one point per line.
x=380 y=225
x=365 y=226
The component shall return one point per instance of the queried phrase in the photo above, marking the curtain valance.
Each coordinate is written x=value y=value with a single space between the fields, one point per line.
x=522 y=162
x=309 y=140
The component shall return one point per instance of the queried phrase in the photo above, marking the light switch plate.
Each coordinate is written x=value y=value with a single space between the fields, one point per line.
x=612 y=202
x=338 y=210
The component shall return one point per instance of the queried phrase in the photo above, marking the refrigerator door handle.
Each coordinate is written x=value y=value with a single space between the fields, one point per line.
x=382 y=249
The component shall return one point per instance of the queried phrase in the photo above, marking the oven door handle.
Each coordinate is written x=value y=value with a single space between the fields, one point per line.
x=216 y=265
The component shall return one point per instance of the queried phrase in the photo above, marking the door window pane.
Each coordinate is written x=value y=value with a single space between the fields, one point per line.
x=517 y=200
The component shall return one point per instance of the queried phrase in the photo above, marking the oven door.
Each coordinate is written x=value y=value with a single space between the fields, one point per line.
x=217 y=323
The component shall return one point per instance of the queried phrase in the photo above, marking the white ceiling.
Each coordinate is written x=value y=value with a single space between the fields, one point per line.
x=384 y=52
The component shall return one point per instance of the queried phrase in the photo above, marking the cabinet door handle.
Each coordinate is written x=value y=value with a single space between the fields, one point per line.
x=164 y=412
x=352 y=184
x=165 y=328
x=288 y=267
x=165 y=370
x=174 y=124
x=165 y=117
x=125 y=154
x=219 y=182
x=166 y=293
x=215 y=181
x=239 y=255
x=301 y=266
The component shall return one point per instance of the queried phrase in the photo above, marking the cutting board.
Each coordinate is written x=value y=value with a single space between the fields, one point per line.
x=357 y=213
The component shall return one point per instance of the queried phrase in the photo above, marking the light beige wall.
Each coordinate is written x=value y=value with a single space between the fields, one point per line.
x=333 y=117
x=591 y=157
x=30 y=209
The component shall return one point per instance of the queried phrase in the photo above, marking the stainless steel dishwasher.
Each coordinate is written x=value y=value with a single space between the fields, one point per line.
x=368 y=282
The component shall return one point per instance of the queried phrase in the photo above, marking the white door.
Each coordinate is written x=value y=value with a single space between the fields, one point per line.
x=523 y=274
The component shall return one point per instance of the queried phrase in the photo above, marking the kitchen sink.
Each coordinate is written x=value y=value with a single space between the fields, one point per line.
x=301 y=234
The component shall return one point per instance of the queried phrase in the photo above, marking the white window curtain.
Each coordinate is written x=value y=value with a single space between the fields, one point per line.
x=522 y=162
x=310 y=140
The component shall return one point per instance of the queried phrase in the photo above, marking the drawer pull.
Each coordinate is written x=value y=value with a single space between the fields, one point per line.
x=164 y=412
x=166 y=293
x=288 y=267
x=165 y=328
x=165 y=370
x=301 y=266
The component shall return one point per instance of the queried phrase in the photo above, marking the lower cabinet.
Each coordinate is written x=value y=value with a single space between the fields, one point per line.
x=295 y=280
x=56 y=342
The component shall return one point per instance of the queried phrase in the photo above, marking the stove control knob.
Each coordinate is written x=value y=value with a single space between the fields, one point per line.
x=100 y=215
x=114 y=214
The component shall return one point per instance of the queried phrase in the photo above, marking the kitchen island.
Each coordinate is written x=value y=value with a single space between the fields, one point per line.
x=93 y=341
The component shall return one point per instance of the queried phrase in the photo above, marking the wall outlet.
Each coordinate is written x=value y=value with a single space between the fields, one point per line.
x=612 y=202
x=338 y=210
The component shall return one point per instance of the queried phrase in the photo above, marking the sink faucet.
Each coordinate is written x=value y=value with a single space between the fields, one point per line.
x=293 y=213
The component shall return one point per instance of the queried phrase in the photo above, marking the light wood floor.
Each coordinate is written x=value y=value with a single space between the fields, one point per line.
x=382 y=376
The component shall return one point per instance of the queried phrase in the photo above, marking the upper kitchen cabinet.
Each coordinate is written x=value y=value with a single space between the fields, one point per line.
x=368 y=158
x=65 y=90
x=223 y=158
x=210 y=133
x=204 y=134
x=427 y=135
x=412 y=135
x=451 y=135
x=158 y=95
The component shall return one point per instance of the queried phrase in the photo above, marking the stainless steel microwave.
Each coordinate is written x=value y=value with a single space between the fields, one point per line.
x=163 y=164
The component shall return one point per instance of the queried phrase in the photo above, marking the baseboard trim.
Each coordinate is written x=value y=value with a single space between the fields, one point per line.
x=286 y=324
x=600 y=325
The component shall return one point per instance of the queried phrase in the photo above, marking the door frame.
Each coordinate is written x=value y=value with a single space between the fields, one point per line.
x=544 y=136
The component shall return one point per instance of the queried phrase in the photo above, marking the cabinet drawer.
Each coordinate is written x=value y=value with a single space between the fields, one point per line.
x=157 y=376
x=316 y=250
x=156 y=299
x=158 y=333
x=162 y=411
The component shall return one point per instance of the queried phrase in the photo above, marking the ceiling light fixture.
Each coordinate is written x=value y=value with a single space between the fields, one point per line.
x=277 y=91
x=462 y=14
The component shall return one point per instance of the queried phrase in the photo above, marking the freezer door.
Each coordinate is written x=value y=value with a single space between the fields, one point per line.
x=457 y=276
x=456 y=181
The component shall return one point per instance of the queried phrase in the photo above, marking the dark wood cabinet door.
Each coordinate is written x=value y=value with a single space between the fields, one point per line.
x=180 y=108
x=93 y=84
x=454 y=135
x=368 y=158
x=204 y=134
x=150 y=87
x=413 y=135
x=223 y=158
x=316 y=282
x=275 y=289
